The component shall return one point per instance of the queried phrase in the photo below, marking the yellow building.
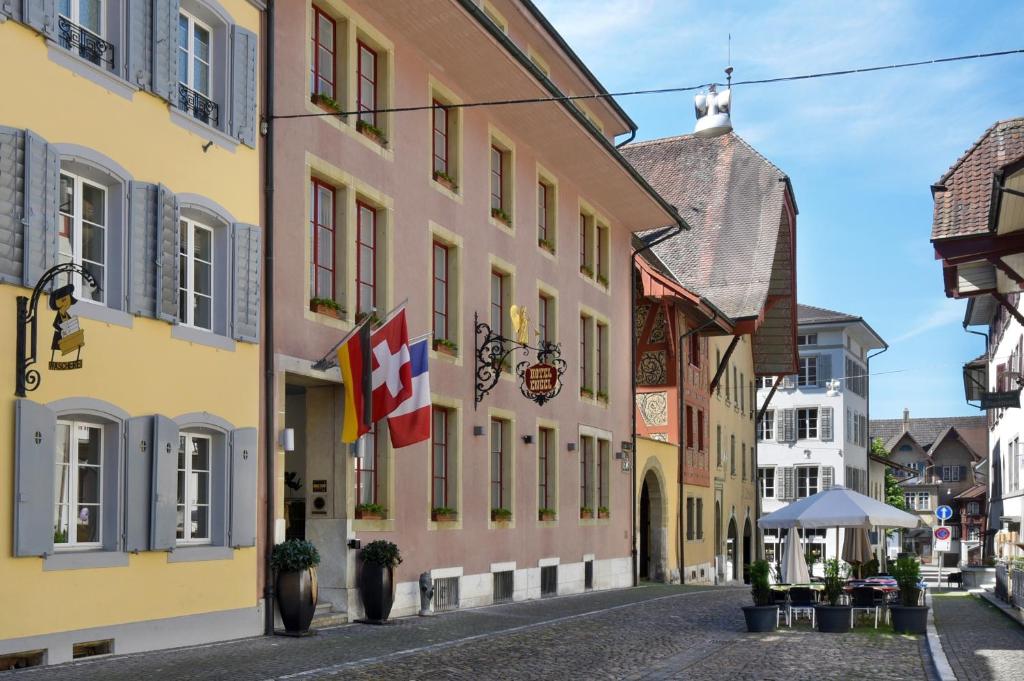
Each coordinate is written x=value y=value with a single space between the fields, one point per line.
x=128 y=162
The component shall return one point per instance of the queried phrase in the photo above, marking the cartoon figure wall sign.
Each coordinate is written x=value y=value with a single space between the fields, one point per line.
x=68 y=336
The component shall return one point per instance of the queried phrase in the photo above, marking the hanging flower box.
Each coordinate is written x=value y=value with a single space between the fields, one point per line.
x=547 y=245
x=370 y=512
x=371 y=131
x=446 y=181
x=603 y=512
x=325 y=101
x=444 y=515
x=546 y=515
x=502 y=516
x=586 y=513
x=326 y=306
x=446 y=347
x=501 y=216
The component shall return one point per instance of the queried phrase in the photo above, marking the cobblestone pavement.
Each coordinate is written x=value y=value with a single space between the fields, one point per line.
x=980 y=642
x=650 y=633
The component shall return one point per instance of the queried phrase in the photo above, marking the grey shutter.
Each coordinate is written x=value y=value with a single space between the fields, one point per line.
x=42 y=180
x=164 y=76
x=863 y=430
x=142 y=247
x=787 y=482
x=788 y=382
x=168 y=236
x=824 y=369
x=34 y=463
x=778 y=421
x=244 y=460
x=826 y=424
x=42 y=16
x=138 y=452
x=245 y=294
x=11 y=8
x=828 y=475
x=790 y=419
x=243 y=85
x=140 y=43
x=164 y=503
x=12 y=203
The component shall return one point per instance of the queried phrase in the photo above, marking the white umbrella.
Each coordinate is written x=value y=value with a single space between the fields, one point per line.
x=837 y=507
x=794 y=567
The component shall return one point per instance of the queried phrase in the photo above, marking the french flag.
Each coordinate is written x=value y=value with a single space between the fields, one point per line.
x=409 y=423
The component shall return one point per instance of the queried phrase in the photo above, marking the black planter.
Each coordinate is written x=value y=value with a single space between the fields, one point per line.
x=832 y=619
x=909 y=619
x=377 y=589
x=296 y=600
x=761 y=617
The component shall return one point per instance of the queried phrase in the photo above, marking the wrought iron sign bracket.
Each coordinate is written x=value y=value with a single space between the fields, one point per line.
x=492 y=357
x=27 y=378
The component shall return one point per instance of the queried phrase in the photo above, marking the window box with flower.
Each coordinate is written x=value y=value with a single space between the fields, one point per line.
x=546 y=515
x=586 y=513
x=603 y=512
x=501 y=516
x=371 y=131
x=443 y=514
x=446 y=347
x=547 y=245
x=325 y=101
x=326 y=306
x=502 y=216
x=370 y=512
x=587 y=271
x=446 y=181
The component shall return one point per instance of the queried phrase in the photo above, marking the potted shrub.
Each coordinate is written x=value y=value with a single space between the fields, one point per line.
x=326 y=306
x=587 y=271
x=602 y=396
x=501 y=515
x=833 y=618
x=501 y=215
x=908 y=617
x=443 y=514
x=586 y=392
x=603 y=512
x=446 y=347
x=547 y=245
x=372 y=316
x=325 y=101
x=445 y=180
x=370 y=512
x=763 y=615
x=377 y=579
x=602 y=280
x=586 y=513
x=546 y=514
x=295 y=563
x=372 y=131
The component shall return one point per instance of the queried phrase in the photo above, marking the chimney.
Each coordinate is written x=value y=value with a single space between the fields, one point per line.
x=906 y=419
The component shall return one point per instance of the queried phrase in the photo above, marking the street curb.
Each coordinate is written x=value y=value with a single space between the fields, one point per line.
x=1004 y=608
x=942 y=667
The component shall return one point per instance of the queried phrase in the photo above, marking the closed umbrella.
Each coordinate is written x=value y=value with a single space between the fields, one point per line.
x=856 y=545
x=794 y=567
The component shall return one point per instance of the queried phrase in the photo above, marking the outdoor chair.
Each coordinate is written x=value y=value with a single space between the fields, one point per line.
x=801 y=602
x=955 y=578
x=867 y=599
x=781 y=599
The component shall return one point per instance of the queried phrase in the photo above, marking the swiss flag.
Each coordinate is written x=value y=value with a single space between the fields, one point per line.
x=391 y=379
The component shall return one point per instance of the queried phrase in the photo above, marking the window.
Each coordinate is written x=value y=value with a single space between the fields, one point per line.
x=194 y=69
x=546 y=318
x=695 y=350
x=766 y=478
x=500 y=444
x=322 y=239
x=366 y=92
x=700 y=518
x=700 y=430
x=585 y=352
x=86 y=36
x=441 y=137
x=690 y=513
x=586 y=247
x=917 y=501
x=499 y=302
x=807 y=339
x=765 y=382
x=545 y=215
x=735 y=386
x=973 y=508
x=718 y=363
x=739 y=387
x=440 y=276
x=546 y=459
x=601 y=253
x=366 y=258
x=439 y=497
x=808 y=372
x=495 y=17
x=603 y=463
x=807 y=423
x=767 y=430
x=194 y=492
x=806 y=481
x=601 y=366
x=950 y=473
x=689 y=427
x=82 y=232
x=195 y=295
x=718 y=444
x=79 y=482
x=743 y=459
x=856 y=381
x=367 y=466
x=732 y=455
x=322 y=48
x=586 y=476
x=501 y=204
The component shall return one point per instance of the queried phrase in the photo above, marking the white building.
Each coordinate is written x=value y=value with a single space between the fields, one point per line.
x=814 y=432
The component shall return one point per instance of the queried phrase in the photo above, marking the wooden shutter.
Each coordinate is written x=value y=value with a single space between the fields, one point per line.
x=244 y=468
x=164 y=504
x=140 y=43
x=42 y=180
x=168 y=265
x=12 y=202
x=828 y=476
x=138 y=482
x=824 y=369
x=42 y=16
x=245 y=294
x=826 y=424
x=34 y=464
x=243 y=85
x=164 y=76
x=11 y=8
x=787 y=487
x=142 y=247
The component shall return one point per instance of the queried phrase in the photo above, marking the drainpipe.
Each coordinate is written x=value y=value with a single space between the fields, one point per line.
x=632 y=136
x=269 y=389
x=867 y=454
x=986 y=538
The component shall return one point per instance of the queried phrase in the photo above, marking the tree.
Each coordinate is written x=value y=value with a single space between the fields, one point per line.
x=893 y=491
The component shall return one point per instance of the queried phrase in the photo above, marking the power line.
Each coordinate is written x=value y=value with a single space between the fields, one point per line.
x=657 y=91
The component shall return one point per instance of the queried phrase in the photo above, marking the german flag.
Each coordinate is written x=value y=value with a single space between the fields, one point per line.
x=354 y=362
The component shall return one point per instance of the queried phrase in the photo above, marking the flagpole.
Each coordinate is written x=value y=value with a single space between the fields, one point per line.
x=322 y=364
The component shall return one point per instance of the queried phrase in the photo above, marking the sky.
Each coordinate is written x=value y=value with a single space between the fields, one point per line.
x=861 y=150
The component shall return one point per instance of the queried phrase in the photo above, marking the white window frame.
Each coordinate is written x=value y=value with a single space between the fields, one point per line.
x=762 y=482
x=951 y=474
x=807 y=339
x=807 y=486
x=189 y=505
x=766 y=431
x=77 y=219
x=190 y=50
x=187 y=283
x=808 y=434
x=804 y=372
x=72 y=486
x=76 y=17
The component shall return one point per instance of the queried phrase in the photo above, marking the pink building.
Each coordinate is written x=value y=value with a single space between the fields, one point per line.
x=461 y=212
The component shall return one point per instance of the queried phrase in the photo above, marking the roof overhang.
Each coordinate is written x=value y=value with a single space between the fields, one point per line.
x=975 y=379
x=981 y=310
x=774 y=329
x=655 y=284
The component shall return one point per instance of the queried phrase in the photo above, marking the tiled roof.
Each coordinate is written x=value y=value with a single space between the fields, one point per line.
x=971 y=492
x=973 y=429
x=808 y=314
x=963 y=194
x=733 y=198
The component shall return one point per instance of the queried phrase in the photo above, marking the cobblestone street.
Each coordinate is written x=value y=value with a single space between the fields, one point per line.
x=981 y=643
x=653 y=632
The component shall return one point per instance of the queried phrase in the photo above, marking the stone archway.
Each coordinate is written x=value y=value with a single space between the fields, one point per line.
x=732 y=568
x=653 y=530
x=748 y=548
x=719 y=567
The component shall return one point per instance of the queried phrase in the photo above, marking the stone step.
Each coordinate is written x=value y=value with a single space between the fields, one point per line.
x=327 y=616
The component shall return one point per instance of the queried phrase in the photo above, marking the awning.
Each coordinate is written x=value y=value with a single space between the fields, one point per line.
x=975 y=379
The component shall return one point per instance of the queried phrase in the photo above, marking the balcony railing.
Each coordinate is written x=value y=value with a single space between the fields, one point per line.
x=201 y=107
x=87 y=44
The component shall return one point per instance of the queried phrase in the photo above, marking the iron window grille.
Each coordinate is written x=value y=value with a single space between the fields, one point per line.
x=446 y=594
x=549 y=581
x=85 y=43
x=588 y=574
x=200 y=107
x=504 y=584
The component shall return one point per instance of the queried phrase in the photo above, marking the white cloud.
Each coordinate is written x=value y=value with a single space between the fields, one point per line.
x=943 y=314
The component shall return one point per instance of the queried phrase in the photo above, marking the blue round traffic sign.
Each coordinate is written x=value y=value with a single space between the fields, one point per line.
x=943 y=533
x=943 y=513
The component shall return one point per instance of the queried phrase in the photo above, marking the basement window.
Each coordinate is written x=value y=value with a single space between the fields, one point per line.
x=92 y=649
x=22 y=660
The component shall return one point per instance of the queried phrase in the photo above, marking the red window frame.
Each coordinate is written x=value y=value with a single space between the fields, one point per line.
x=364 y=279
x=695 y=350
x=371 y=472
x=602 y=453
x=542 y=316
x=543 y=445
x=440 y=128
x=498 y=200
x=598 y=237
x=542 y=210
x=498 y=464
x=689 y=427
x=440 y=444
x=599 y=342
x=700 y=430
x=315 y=226
x=498 y=311
x=367 y=110
x=584 y=252
x=440 y=316
x=586 y=453
x=317 y=45
x=584 y=353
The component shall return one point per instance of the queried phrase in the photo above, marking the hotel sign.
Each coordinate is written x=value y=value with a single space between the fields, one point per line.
x=541 y=379
x=1009 y=399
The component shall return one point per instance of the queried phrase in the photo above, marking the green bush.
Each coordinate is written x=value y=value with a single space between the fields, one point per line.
x=907 y=573
x=501 y=514
x=382 y=552
x=835 y=578
x=294 y=555
x=443 y=510
x=372 y=508
x=760 y=590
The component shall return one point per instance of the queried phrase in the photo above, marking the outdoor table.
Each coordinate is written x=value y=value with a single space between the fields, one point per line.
x=787 y=587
